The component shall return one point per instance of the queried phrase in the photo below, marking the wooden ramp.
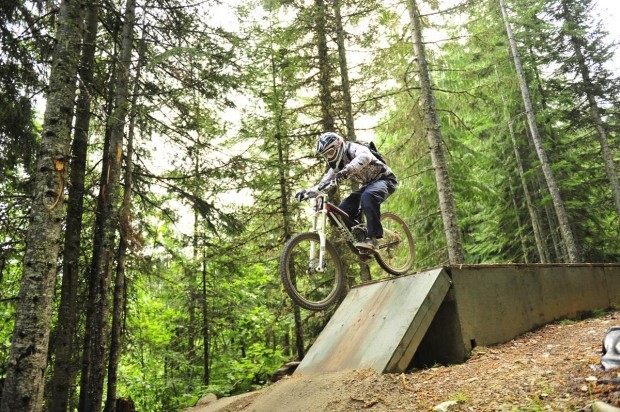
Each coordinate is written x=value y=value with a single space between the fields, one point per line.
x=379 y=325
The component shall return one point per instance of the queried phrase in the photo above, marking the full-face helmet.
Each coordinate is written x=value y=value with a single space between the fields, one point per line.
x=332 y=147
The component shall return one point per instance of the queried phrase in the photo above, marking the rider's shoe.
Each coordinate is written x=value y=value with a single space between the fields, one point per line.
x=367 y=245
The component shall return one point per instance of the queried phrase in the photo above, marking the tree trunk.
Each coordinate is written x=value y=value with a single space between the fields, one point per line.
x=284 y=196
x=284 y=160
x=2 y=266
x=126 y=236
x=191 y=273
x=24 y=384
x=567 y=234
x=284 y=191
x=550 y=218
x=543 y=256
x=534 y=219
x=93 y=282
x=344 y=73
x=549 y=228
x=522 y=238
x=327 y=117
x=456 y=254
x=58 y=397
x=347 y=104
x=206 y=337
x=111 y=190
x=547 y=121
x=299 y=333
x=595 y=113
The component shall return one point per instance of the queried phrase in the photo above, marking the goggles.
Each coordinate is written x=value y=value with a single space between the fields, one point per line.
x=330 y=153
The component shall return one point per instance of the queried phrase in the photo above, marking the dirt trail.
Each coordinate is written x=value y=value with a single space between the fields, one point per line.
x=555 y=368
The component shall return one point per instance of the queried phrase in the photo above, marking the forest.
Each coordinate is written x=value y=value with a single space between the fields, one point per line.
x=150 y=151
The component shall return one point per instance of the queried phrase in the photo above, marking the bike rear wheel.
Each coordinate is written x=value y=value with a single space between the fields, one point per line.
x=310 y=288
x=396 y=251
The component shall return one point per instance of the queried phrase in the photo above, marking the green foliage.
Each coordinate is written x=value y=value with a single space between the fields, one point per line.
x=478 y=97
x=162 y=368
x=227 y=121
x=24 y=45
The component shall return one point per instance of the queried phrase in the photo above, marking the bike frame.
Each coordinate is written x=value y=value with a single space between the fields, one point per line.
x=311 y=268
x=322 y=210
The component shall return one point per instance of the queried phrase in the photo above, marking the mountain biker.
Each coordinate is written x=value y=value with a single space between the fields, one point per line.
x=356 y=161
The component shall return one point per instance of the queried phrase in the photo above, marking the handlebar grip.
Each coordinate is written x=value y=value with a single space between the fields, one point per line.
x=328 y=185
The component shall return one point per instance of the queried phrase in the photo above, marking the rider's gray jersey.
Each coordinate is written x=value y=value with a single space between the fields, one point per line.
x=360 y=165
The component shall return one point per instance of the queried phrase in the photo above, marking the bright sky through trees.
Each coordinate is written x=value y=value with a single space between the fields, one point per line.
x=610 y=13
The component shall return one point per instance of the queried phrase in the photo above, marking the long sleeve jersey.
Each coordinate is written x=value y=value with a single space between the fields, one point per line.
x=360 y=165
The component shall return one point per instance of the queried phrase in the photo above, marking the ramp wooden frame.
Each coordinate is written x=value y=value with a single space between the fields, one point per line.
x=439 y=315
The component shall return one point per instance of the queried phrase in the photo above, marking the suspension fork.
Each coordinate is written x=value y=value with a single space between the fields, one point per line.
x=319 y=225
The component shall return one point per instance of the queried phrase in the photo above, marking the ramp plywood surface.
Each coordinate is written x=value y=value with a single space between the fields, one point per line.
x=379 y=325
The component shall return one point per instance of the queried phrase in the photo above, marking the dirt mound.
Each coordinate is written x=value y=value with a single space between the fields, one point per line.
x=554 y=368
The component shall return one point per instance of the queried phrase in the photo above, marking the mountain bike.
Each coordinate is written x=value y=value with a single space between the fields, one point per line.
x=310 y=266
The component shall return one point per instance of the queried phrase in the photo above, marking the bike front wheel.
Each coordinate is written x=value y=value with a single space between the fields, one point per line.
x=310 y=286
x=396 y=251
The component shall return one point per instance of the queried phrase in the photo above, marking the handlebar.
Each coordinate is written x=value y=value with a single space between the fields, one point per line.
x=328 y=186
x=320 y=190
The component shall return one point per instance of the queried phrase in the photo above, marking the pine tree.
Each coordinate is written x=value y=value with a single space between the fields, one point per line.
x=91 y=392
x=23 y=389
x=64 y=359
x=567 y=234
x=433 y=133
x=587 y=54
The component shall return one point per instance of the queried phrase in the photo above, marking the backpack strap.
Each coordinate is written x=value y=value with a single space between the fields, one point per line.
x=373 y=150
x=348 y=151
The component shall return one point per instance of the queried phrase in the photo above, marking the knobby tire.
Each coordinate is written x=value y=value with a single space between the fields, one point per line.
x=310 y=289
x=404 y=251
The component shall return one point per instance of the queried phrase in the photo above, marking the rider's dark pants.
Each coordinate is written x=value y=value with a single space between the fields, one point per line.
x=370 y=197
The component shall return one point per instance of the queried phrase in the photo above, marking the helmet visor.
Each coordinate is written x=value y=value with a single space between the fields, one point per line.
x=330 y=154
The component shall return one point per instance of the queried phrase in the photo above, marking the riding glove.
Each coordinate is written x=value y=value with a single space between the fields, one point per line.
x=341 y=175
x=301 y=195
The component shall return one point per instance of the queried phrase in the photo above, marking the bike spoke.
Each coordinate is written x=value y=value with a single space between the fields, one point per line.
x=310 y=288
x=396 y=252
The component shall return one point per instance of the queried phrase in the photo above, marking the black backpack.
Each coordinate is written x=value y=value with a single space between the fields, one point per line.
x=373 y=149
